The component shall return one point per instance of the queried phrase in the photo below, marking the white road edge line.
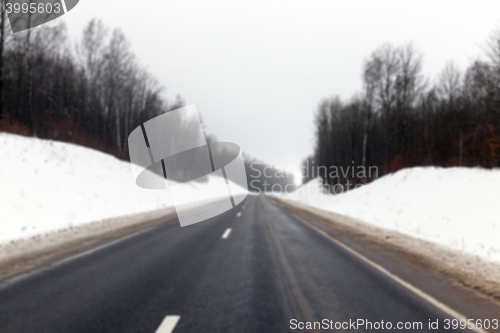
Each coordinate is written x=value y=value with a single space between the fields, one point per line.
x=168 y=324
x=226 y=233
x=64 y=6
x=37 y=271
x=443 y=307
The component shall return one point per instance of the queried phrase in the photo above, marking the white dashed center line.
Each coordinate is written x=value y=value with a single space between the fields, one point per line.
x=168 y=324
x=239 y=214
x=226 y=233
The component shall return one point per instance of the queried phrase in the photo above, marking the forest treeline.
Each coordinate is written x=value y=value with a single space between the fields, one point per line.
x=403 y=119
x=91 y=93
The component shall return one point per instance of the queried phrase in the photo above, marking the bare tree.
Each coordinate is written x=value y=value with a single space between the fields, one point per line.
x=91 y=53
x=450 y=83
x=118 y=59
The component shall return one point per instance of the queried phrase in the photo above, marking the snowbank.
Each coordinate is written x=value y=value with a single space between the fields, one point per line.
x=48 y=185
x=455 y=207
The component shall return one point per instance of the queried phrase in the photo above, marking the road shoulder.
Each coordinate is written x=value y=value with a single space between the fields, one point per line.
x=23 y=255
x=466 y=283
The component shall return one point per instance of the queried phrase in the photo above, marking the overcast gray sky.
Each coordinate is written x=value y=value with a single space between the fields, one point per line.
x=256 y=70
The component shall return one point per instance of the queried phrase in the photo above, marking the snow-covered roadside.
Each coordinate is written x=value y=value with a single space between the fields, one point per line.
x=48 y=186
x=455 y=207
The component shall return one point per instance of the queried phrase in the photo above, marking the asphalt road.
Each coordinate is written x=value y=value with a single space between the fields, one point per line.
x=268 y=269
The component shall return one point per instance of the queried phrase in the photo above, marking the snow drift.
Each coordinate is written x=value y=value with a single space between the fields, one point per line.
x=48 y=185
x=455 y=207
